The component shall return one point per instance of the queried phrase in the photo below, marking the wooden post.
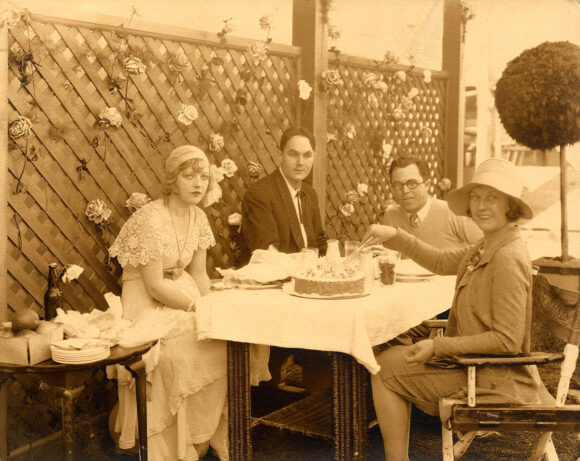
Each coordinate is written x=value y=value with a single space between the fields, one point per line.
x=310 y=33
x=455 y=107
x=3 y=214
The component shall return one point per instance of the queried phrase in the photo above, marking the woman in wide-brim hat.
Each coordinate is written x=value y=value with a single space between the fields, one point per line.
x=490 y=314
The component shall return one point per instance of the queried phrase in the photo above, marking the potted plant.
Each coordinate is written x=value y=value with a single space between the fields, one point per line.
x=538 y=101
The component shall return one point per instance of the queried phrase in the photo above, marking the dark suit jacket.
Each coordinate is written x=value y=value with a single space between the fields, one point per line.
x=269 y=217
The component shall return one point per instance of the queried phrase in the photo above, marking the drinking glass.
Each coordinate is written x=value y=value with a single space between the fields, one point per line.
x=332 y=252
x=308 y=258
x=350 y=246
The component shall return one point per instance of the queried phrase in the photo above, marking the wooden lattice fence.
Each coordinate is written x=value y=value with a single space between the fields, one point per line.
x=77 y=72
x=377 y=111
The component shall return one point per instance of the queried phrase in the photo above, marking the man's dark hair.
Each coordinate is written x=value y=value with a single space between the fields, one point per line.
x=296 y=131
x=406 y=160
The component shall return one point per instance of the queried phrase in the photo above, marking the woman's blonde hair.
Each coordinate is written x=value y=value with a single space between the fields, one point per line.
x=182 y=158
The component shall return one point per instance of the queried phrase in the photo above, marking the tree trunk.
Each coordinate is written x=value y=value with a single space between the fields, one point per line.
x=563 y=204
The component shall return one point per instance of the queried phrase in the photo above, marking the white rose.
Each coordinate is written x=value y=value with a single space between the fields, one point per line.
x=229 y=167
x=350 y=131
x=373 y=100
x=72 y=272
x=187 y=114
x=304 y=89
x=413 y=92
x=229 y=26
x=369 y=78
x=235 y=219
x=380 y=85
x=347 y=209
x=216 y=142
x=401 y=75
x=265 y=22
x=136 y=200
x=134 y=65
x=11 y=17
x=111 y=116
x=362 y=188
x=398 y=113
x=427 y=76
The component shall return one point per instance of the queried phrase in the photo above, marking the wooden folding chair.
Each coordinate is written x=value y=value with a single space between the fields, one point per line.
x=559 y=312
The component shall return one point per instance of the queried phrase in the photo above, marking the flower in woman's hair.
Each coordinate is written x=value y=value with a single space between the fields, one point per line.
x=406 y=102
x=136 y=200
x=347 y=209
x=334 y=32
x=134 y=65
x=254 y=169
x=304 y=89
x=369 y=78
x=179 y=62
x=258 y=51
x=350 y=131
x=352 y=196
x=401 y=75
x=427 y=76
x=71 y=272
x=390 y=58
x=214 y=193
x=216 y=142
x=332 y=77
x=11 y=17
x=266 y=22
x=413 y=92
x=373 y=100
x=110 y=116
x=229 y=167
x=362 y=189
x=19 y=127
x=398 y=113
x=381 y=86
x=97 y=211
x=187 y=114
x=235 y=219
x=444 y=184
x=387 y=148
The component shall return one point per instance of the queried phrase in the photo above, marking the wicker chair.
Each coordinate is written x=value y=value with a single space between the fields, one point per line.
x=559 y=312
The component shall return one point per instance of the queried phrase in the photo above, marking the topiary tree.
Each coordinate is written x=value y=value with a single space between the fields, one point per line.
x=538 y=101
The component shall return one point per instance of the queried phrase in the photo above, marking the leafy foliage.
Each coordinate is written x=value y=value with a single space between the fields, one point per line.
x=538 y=96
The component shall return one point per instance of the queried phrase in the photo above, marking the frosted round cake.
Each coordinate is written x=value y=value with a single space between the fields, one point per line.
x=328 y=282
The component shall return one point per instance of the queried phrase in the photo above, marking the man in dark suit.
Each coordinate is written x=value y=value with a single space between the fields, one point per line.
x=281 y=210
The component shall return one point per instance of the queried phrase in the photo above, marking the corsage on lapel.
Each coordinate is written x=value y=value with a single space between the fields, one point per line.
x=473 y=261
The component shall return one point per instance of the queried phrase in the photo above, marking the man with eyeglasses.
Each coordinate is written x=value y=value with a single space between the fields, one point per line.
x=428 y=218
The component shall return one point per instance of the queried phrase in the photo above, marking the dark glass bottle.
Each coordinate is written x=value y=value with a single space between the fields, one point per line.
x=53 y=295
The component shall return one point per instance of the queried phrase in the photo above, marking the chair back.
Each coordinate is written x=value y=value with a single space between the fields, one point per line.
x=557 y=308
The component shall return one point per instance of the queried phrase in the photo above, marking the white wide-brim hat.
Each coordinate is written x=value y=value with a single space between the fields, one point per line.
x=498 y=173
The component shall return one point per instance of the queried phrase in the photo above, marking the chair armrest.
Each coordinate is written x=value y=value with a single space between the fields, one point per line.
x=434 y=323
x=533 y=358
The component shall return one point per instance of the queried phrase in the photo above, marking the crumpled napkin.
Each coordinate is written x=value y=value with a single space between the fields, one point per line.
x=265 y=266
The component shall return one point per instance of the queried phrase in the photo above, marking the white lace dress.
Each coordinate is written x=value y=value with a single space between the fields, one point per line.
x=187 y=385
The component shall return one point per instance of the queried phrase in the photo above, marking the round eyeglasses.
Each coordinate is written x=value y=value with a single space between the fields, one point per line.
x=411 y=184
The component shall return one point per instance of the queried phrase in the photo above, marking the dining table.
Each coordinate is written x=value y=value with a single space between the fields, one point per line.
x=346 y=328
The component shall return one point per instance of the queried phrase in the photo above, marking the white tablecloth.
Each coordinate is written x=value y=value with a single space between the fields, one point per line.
x=351 y=326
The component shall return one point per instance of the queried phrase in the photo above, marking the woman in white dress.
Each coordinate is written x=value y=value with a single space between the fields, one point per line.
x=162 y=249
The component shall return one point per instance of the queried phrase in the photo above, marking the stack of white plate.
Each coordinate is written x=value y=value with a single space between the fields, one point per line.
x=79 y=351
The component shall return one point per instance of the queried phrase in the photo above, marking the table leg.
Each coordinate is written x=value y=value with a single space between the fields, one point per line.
x=349 y=389
x=68 y=415
x=239 y=402
x=137 y=370
x=3 y=419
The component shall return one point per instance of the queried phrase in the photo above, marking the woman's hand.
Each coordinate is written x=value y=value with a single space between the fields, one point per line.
x=379 y=233
x=420 y=352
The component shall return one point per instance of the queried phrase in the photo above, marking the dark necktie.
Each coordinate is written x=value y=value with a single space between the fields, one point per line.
x=300 y=197
x=414 y=220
